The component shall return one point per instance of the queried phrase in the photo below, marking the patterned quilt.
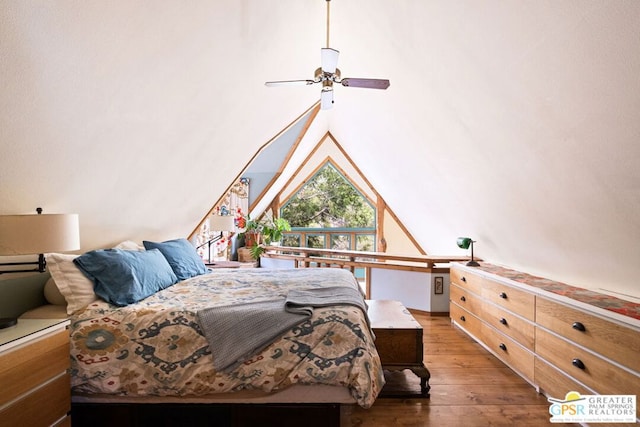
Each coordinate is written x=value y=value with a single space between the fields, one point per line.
x=156 y=347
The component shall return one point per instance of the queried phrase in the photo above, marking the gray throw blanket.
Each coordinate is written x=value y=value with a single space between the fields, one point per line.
x=237 y=332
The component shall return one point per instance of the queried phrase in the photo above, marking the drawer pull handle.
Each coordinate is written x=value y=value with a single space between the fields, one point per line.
x=578 y=326
x=464 y=279
x=578 y=364
x=462 y=298
x=503 y=295
x=503 y=321
x=463 y=319
x=503 y=347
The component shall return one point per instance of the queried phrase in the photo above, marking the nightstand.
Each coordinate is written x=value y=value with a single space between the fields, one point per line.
x=232 y=264
x=224 y=264
x=34 y=373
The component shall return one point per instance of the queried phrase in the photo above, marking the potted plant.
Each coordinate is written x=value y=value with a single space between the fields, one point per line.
x=258 y=234
x=253 y=232
x=274 y=230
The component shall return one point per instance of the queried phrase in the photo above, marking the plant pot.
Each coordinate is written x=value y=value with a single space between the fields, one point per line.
x=251 y=239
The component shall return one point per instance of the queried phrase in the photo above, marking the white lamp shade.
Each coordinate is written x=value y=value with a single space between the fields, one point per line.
x=329 y=60
x=222 y=223
x=38 y=234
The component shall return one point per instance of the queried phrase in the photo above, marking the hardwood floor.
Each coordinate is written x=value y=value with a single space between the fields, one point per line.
x=469 y=387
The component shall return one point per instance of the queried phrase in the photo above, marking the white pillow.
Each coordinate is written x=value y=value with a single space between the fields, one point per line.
x=129 y=245
x=52 y=293
x=76 y=288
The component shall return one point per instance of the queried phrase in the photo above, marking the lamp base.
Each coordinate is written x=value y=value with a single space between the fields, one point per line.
x=473 y=263
x=6 y=322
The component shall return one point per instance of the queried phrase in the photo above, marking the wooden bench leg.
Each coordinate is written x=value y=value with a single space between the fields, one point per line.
x=424 y=375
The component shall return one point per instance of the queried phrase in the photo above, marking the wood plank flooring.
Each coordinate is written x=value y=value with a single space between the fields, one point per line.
x=469 y=387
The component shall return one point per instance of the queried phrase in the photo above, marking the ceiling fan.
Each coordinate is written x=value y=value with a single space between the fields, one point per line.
x=328 y=74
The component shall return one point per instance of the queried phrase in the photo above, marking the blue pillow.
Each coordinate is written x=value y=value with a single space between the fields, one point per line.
x=182 y=257
x=124 y=277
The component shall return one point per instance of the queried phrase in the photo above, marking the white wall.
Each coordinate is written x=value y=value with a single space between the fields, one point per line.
x=414 y=289
x=515 y=123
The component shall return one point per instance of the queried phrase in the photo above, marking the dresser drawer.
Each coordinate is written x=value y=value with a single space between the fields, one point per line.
x=604 y=337
x=514 y=355
x=464 y=279
x=466 y=320
x=42 y=407
x=31 y=364
x=554 y=383
x=521 y=330
x=588 y=368
x=469 y=301
x=512 y=299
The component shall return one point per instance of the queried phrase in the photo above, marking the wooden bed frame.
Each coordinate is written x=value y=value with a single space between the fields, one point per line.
x=201 y=414
x=308 y=405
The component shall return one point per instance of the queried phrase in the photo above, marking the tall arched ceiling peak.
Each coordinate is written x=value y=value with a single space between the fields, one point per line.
x=512 y=122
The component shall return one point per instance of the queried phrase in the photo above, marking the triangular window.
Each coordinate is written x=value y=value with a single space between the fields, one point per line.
x=329 y=212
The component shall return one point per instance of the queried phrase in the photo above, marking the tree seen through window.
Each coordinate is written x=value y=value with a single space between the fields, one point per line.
x=329 y=201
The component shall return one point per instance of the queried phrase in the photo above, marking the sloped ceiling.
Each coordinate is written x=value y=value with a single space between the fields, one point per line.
x=515 y=123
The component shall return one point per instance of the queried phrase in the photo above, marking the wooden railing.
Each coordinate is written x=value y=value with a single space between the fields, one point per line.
x=409 y=270
x=313 y=257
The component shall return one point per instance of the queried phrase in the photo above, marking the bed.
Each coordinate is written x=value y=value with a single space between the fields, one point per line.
x=154 y=350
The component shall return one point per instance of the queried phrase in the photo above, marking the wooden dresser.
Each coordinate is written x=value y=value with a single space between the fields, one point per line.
x=558 y=337
x=34 y=373
x=499 y=316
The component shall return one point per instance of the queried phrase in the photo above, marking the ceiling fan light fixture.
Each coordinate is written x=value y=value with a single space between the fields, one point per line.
x=326 y=98
x=329 y=59
x=328 y=73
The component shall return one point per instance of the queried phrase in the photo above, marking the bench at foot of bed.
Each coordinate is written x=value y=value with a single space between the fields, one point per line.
x=398 y=339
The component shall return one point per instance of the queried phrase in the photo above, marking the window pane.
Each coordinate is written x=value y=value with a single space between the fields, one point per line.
x=341 y=242
x=316 y=241
x=291 y=240
x=329 y=200
x=365 y=242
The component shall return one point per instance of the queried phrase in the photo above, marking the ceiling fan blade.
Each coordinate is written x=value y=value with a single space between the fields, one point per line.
x=365 y=83
x=290 y=83
x=329 y=59
x=326 y=98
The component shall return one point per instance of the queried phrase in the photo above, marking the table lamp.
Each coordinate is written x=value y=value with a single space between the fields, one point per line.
x=222 y=224
x=35 y=234
x=464 y=243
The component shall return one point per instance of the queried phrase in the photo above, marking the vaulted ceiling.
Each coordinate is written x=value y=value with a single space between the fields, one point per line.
x=515 y=123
